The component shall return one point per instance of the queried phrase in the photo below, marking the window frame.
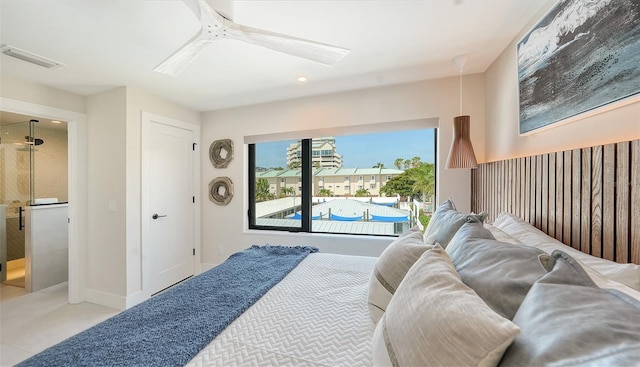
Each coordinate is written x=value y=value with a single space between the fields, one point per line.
x=307 y=195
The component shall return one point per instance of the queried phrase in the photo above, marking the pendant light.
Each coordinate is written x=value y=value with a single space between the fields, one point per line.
x=461 y=153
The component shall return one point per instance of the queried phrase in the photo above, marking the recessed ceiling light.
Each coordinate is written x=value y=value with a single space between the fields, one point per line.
x=302 y=79
x=55 y=122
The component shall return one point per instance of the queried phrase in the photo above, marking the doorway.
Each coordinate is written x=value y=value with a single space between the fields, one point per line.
x=77 y=184
x=34 y=172
x=169 y=166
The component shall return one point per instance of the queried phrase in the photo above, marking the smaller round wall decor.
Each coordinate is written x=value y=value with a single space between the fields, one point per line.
x=221 y=152
x=221 y=190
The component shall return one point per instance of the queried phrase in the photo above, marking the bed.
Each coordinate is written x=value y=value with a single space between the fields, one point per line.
x=485 y=288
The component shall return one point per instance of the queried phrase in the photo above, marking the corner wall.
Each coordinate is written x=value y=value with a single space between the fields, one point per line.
x=614 y=124
x=225 y=227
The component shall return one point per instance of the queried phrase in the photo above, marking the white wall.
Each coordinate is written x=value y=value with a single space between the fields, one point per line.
x=502 y=140
x=225 y=227
x=106 y=256
x=24 y=90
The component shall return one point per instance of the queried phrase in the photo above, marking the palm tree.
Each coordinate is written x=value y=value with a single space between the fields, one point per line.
x=378 y=165
x=407 y=163
x=262 y=190
x=415 y=161
x=325 y=192
x=287 y=191
x=398 y=163
x=424 y=180
x=363 y=192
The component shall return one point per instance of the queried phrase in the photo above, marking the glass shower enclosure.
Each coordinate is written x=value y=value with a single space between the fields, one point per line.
x=19 y=145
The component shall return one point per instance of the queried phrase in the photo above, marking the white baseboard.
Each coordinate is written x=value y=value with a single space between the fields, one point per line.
x=206 y=266
x=136 y=298
x=106 y=299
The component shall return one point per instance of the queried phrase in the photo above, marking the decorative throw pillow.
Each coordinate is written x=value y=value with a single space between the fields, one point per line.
x=501 y=273
x=436 y=320
x=627 y=274
x=567 y=320
x=445 y=222
x=391 y=267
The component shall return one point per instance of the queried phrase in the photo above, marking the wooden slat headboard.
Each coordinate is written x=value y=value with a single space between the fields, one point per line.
x=587 y=198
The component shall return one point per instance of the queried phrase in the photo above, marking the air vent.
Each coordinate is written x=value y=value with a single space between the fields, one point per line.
x=29 y=57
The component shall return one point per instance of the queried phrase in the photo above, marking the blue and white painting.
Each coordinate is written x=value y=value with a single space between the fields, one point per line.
x=582 y=55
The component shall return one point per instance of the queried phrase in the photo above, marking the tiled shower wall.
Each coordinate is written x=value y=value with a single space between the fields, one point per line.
x=51 y=165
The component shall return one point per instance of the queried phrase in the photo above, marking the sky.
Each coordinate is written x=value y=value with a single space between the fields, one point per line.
x=362 y=151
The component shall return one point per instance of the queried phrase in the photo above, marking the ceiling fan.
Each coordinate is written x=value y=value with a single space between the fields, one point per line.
x=215 y=27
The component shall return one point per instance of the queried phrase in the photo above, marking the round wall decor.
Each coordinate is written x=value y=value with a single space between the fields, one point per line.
x=221 y=190
x=221 y=153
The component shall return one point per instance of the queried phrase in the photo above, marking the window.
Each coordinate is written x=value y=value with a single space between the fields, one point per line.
x=302 y=198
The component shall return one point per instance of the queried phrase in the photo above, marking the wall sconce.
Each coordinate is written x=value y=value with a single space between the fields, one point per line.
x=461 y=153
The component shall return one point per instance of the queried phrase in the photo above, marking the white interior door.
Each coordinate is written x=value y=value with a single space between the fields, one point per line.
x=168 y=211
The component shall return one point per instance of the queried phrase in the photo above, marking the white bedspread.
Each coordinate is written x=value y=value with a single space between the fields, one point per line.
x=316 y=316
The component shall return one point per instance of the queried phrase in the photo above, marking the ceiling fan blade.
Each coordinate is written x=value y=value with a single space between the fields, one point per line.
x=194 y=6
x=211 y=28
x=179 y=60
x=311 y=50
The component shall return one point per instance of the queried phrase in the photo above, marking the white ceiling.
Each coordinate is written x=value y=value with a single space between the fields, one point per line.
x=111 y=43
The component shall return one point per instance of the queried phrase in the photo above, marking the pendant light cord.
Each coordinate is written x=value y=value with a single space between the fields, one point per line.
x=460 y=92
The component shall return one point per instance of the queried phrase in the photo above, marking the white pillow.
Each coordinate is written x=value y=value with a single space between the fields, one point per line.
x=501 y=235
x=435 y=320
x=391 y=267
x=627 y=274
x=607 y=283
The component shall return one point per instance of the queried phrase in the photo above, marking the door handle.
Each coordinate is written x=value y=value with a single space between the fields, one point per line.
x=20 y=224
x=156 y=216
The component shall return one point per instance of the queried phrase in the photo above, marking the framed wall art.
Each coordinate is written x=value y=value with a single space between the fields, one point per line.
x=582 y=55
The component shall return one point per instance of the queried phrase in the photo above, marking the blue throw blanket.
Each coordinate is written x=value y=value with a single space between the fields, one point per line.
x=171 y=328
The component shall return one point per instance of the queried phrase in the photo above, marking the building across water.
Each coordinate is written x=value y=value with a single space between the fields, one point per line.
x=338 y=181
x=324 y=153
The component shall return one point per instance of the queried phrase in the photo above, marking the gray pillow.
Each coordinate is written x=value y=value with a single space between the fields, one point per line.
x=445 y=222
x=567 y=320
x=391 y=267
x=501 y=273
